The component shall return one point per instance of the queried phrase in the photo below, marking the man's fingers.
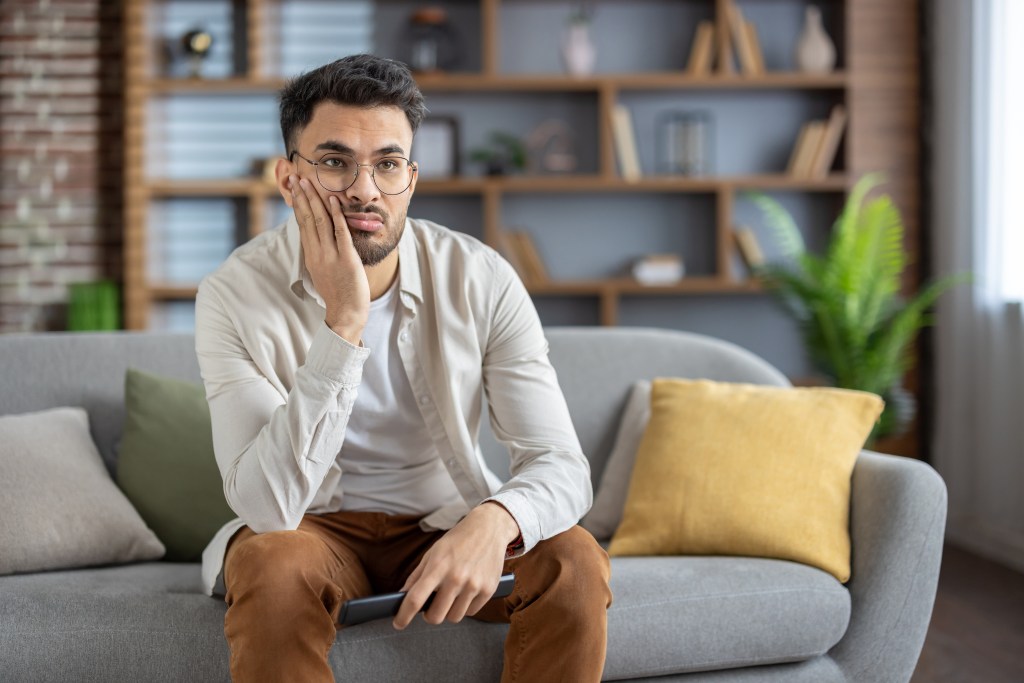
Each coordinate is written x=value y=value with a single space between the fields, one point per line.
x=324 y=224
x=303 y=215
x=414 y=599
x=341 y=233
x=460 y=608
x=478 y=603
x=441 y=605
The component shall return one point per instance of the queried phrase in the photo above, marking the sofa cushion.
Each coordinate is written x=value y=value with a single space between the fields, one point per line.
x=679 y=614
x=669 y=615
x=610 y=498
x=58 y=505
x=740 y=469
x=166 y=465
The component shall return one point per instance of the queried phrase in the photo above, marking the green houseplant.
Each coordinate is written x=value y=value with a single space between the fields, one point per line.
x=857 y=328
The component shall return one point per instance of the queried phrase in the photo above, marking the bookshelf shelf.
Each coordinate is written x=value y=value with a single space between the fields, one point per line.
x=472 y=82
x=239 y=187
x=620 y=286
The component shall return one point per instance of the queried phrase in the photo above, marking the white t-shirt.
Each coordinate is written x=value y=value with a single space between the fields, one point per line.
x=388 y=461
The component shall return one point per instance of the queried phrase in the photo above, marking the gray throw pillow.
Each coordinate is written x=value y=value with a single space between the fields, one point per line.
x=606 y=513
x=59 y=508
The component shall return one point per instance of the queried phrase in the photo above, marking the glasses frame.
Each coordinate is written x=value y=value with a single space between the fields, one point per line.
x=413 y=168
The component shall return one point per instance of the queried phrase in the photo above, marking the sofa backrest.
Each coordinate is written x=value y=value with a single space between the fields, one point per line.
x=596 y=368
x=40 y=371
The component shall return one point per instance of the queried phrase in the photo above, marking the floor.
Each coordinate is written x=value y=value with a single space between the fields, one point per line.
x=977 y=628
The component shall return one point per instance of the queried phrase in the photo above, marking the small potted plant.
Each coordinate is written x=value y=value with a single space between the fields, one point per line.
x=503 y=154
x=855 y=325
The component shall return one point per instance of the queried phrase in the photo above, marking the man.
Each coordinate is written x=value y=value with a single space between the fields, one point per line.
x=345 y=356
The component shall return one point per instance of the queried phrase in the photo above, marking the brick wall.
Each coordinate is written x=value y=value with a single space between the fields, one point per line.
x=60 y=155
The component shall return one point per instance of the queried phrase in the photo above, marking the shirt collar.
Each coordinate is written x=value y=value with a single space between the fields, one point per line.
x=408 y=264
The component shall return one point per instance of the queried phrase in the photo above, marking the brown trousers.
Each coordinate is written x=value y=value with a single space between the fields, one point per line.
x=285 y=590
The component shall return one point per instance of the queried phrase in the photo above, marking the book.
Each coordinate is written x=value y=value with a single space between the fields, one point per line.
x=755 y=47
x=510 y=250
x=702 y=51
x=749 y=247
x=528 y=255
x=744 y=47
x=625 y=143
x=794 y=155
x=726 y=66
x=806 y=149
x=825 y=154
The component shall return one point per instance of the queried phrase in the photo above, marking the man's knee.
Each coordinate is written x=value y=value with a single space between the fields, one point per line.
x=274 y=558
x=578 y=564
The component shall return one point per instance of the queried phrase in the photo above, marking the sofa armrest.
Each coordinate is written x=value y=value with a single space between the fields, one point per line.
x=897 y=525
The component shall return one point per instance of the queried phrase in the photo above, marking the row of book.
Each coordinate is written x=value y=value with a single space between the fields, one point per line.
x=816 y=145
x=737 y=41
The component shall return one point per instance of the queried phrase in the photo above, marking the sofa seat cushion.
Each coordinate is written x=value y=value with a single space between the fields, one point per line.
x=670 y=614
x=680 y=614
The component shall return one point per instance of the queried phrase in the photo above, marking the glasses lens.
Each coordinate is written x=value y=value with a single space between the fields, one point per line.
x=392 y=175
x=337 y=172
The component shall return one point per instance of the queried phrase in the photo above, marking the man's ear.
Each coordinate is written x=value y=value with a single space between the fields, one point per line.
x=284 y=169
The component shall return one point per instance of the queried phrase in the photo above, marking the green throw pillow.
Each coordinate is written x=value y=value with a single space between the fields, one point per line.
x=166 y=466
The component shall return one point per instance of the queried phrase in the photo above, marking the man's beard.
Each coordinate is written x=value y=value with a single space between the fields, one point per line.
x=374 y=247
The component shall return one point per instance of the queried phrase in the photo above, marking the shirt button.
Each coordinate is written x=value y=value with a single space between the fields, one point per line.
x=451 y=462
x=424 y=400
x=404 y=336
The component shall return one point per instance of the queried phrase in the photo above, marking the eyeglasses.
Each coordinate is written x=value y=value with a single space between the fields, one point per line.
x=338 y=172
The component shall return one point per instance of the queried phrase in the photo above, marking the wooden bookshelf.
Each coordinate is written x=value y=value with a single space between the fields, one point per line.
x=878 y=84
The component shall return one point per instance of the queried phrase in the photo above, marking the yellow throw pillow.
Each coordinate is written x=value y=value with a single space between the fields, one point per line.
x=743 y=469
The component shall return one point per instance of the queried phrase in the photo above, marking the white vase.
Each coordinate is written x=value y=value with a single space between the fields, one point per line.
x=815 y=51
x=578 y=50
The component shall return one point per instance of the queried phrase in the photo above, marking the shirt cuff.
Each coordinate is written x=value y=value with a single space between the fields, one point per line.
x=336 y=358
x=523 y=513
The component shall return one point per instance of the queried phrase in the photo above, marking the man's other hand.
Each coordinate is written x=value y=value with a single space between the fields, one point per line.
x=464 y=567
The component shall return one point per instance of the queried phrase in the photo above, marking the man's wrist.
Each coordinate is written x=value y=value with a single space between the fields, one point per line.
x=513 y=535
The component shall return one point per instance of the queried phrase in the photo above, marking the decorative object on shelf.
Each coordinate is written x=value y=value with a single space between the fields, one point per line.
x=578 y=49
x=816 y=146
x=815 y=51
x=265 y=168
x=625 y=143
x=744 y=37
x=858 y=330
x=550 y=148
x=522 y=253
x=196 y=44
x=502 y=154
x=659 y=269
x=684 y=142
x=702 y=50
x=435 y=147
x=93 y=306
x=434 y=44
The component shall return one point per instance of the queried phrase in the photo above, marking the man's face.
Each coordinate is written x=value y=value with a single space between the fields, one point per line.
x=376 y=220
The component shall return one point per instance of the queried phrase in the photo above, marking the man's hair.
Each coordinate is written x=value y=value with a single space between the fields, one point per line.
x=358 y=80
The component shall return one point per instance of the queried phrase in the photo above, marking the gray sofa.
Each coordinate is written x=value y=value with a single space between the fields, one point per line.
x=678 y=618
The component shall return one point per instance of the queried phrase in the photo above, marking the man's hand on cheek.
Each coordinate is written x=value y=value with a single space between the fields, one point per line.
x=331 y=259
x=464 y=567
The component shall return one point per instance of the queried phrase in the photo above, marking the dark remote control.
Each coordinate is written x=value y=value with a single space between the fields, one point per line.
x=386 y=605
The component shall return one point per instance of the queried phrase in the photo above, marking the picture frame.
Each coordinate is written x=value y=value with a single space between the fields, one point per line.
x=435 y=147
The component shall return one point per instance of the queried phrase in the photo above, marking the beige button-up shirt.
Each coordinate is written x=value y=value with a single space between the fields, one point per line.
x=281 y=385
